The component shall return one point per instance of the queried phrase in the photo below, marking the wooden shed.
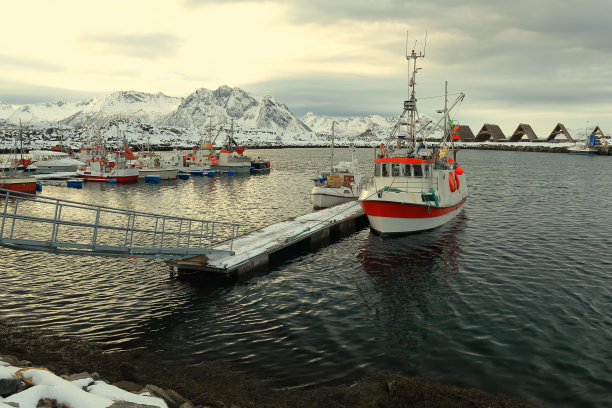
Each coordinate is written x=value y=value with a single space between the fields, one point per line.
x=490 y=131
x=559 y=130
x=523 y=129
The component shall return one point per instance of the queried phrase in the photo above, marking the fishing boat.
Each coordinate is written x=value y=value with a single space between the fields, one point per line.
x=53 y=161
x=587 y=148
x=103 y=166
x=195 y=162
x=339 y=185
x=150 y=164
x=415 y=188
x=231 y=157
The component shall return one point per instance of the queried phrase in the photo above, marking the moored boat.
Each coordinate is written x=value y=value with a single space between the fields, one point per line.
x=52 y=161
x=231 y=157
x=413 y=188
x=18 y=183
x=339 y=185
x=114 y=167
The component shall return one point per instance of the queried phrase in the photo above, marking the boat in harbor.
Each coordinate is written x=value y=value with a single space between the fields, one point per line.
x=52 y=161
x=195 y=162
x=339 y=185
x=414 y=188
x=103 y=166
x=585 y=149
x=19 y=183
x=231 y=158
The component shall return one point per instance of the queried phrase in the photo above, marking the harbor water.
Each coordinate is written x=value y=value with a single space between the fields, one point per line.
x=513 y=296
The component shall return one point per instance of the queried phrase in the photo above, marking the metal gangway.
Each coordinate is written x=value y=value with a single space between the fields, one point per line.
x=40 y=223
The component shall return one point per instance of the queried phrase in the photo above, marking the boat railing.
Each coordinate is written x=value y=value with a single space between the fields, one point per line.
x=33 y=222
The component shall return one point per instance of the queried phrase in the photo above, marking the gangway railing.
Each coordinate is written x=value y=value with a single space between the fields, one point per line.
x=40 y=223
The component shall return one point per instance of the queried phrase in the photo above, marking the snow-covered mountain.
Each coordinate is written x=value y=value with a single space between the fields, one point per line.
x=225 y=104
x=6 y=110
x=45 y=113
x=135 y=106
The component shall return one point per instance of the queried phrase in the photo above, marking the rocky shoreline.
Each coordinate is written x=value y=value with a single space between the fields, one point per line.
x=216 y=384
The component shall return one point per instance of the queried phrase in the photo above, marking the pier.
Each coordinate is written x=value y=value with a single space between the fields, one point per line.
x=257 y=249
x=39 y=223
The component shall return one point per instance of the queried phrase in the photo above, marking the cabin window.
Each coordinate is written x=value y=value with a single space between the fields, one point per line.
x=395 y=169
x=386 y=167
x=418 y=170
x=426 y=171
x=376 y=169
x=406 y=169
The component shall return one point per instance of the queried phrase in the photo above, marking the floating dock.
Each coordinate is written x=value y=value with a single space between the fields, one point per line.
x=255 y=250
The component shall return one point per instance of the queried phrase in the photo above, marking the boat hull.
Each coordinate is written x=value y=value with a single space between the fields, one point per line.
x=164 y=174
x=325 y=197
x=20 y=185
x=392 y=218
x=119 y=179
x=238 y=169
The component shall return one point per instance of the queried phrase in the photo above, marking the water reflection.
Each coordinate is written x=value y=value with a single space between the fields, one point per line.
x=410 y=277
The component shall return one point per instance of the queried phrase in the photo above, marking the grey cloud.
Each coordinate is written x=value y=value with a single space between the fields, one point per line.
x=149 y=46
x=29 y=63
x=20 y=93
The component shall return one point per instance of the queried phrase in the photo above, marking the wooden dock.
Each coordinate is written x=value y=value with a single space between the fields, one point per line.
x=255 y=250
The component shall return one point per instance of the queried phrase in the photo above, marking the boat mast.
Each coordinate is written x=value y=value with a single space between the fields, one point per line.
x=332 y=147
x=410 y=104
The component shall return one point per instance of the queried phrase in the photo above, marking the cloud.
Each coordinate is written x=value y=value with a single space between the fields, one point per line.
x=29 y=63
x=16 y=93
x=150 y=46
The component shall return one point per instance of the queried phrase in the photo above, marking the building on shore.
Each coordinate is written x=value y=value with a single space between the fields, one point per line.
x=522 y=130
x=490 y=132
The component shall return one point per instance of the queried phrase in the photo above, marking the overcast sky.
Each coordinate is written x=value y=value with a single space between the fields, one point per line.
x=538 y=62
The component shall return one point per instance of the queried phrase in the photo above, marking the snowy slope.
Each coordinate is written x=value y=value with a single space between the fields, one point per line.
x=132 y=105
x=225 y=103
x=45 y=113
x=6 y=110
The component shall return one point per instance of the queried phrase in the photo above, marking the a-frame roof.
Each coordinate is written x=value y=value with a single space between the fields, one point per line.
x=490 y=131
x=465 y=133
x=523 y=129
x=558 y=130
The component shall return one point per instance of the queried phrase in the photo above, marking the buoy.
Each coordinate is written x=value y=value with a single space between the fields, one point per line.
x=451 y=160
x=210 y=174
x=184 y=176
x=459 y=170
x=152 y=179
x=252 y=170
x=112 y=181
x=38 y=187
x=231 y=172
x=451 y=182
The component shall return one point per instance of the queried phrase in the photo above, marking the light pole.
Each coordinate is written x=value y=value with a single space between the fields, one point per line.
x=586 y=132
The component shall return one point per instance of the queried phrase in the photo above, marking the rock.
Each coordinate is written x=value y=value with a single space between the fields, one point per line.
x=128 y=386
x=9 y=386
x=172 y=398
x=125 y=404
x=80 y=376
x=10 y=359
x=11 y=404
x=24 y=363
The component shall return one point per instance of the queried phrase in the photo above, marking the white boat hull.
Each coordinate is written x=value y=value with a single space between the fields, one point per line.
x=325 y=197
x=410 y=220
x=164 y=174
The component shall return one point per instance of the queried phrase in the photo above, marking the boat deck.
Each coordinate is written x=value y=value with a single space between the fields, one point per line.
x=253 y=251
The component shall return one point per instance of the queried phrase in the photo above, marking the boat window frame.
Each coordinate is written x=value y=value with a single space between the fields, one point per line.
x=395 y=169
x=386 y=170
x=406 y=170
x=420 y=170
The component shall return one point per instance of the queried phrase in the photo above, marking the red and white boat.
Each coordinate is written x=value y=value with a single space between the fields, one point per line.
x=99 y=167
x=414 y=188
